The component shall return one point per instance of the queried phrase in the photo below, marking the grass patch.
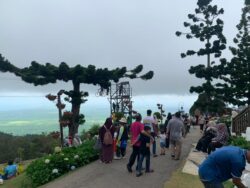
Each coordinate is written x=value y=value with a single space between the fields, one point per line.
x=183 y=180
x=21 y=181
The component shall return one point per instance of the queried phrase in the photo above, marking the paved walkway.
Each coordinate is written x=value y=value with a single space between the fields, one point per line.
x=115 y=175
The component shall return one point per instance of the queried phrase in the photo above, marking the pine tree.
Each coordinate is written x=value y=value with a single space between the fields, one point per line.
x=39 y=74
x=236 y=73
x=206 y=26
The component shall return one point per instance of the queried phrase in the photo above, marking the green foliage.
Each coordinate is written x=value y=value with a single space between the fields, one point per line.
x=206 y=26
x=48 y=168
x=239 y=141
x=25 y=147
x=236 y=73
x=225 y=119
x=208 y=105
x=39 y=74
x=94 y=130
x=158 y=115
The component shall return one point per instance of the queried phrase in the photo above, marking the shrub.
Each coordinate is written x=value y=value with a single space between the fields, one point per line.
x=94 y=130
x=239 y=141
x=25 y=147
x=52 y=166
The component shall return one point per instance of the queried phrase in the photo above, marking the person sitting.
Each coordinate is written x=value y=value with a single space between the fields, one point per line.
x=221 y=138
x=10 y=170
x=205 y=140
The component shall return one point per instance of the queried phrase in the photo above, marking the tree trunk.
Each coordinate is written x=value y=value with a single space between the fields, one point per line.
x=208 y=56
x=75 y=109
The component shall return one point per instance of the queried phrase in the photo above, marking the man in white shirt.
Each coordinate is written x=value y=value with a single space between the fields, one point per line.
x=150 y=122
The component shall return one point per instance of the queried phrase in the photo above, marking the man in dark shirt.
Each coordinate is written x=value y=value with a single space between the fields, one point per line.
x=144 y=152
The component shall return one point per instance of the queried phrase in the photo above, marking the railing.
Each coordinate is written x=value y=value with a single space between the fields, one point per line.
x=241 y=121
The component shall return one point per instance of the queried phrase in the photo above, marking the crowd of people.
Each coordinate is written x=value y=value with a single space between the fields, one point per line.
x=219 y=165
x=143 y=133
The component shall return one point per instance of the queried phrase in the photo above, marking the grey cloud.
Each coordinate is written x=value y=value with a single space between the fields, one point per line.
x=106 y=33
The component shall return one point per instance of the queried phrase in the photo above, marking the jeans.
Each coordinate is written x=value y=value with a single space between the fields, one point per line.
x=212 y=185
x=120 y=152
x=135 y=154
x=141 y=158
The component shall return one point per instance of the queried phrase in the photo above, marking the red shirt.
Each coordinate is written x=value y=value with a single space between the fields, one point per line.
x=136 y=129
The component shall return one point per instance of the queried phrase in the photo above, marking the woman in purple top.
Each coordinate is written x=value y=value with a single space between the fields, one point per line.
x=107 y=152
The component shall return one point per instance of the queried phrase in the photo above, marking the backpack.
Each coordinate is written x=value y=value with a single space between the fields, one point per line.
x=108 y=139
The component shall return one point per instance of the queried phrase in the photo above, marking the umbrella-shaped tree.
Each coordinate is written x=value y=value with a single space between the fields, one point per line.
x=40 y=74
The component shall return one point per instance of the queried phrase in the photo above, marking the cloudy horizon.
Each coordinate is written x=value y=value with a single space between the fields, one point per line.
x=107 y=34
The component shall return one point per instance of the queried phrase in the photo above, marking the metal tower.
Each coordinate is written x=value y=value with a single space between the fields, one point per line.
x=120 y=98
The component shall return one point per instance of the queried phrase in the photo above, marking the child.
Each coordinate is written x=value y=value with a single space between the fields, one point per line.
x=162 y=142
x=144 y=152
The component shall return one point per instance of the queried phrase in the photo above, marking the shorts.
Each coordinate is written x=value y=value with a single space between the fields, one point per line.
x=162 y=144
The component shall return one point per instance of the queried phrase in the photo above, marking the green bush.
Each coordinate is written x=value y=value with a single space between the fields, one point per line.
x=239 y=141
x=94 y=130
x=50 y=167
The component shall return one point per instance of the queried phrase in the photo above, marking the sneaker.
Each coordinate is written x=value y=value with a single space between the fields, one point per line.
x=172 y=155
x=155 y=155
x=139 y=174
x=129 y=168
x=117 y=158
x=196 y=150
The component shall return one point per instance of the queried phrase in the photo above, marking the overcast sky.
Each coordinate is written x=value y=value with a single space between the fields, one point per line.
x=106 y=33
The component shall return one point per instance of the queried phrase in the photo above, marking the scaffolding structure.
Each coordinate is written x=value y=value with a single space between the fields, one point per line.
x=120 y=98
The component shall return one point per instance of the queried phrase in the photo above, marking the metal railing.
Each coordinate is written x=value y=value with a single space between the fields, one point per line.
x=241 y=121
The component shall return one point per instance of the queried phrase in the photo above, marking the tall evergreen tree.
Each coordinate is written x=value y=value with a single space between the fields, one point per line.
x=236 y=73
x=39 y=74
x=206 y=26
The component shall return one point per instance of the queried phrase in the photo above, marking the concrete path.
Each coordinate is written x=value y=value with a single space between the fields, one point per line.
x=115 y=175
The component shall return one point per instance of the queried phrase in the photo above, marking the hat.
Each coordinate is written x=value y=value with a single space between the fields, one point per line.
x=123 y=120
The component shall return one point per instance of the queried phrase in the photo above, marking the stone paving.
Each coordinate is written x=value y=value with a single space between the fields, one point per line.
x=115 y=175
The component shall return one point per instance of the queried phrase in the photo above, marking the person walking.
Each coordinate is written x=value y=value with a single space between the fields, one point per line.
x=150 y=122
x=144 y=152
x=223 y=164
x=162 y=142
x=176 y=131
x=136 y=129
x=106 y=134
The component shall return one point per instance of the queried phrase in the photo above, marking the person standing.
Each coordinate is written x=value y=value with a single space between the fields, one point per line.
x=176 y=131
x=150 y=122
x=223 y=164
x=201 y=122
x=136 y=129
x=106 y=134
x=169 y=117
x=122 y=137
